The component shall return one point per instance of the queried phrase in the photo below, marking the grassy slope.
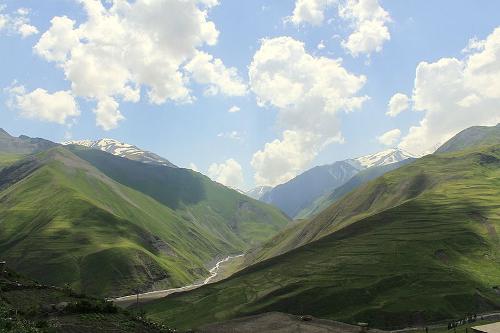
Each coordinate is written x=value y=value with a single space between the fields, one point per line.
x=472 y=136
x=69 y=223
x=195 y=197
x=358 y=180
x=7 y=159
x=420 y=243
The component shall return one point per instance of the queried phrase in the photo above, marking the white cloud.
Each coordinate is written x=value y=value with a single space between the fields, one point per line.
x=206 y=70
x=390 y=138
x=107 y=114
x=234 y=109
x=193 y=167
x=17 y=22
x=125 y=47
x=321 y=45
x=454 y=94
x=310 y=11
x=308 y=92
x=42 y=105
x=398 y=103
x=367 y=19
x=233 y=135
x=229 y=173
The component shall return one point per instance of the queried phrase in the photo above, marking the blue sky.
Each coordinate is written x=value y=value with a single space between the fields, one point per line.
x=203 y=132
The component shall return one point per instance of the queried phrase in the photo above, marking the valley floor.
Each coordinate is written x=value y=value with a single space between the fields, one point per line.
x=219 y=271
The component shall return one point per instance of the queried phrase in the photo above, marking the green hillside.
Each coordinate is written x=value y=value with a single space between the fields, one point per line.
x=472 y=136
x=418 y=244
x=193 y=196
x=363 y=177
x=65 y=222
x=27 y=306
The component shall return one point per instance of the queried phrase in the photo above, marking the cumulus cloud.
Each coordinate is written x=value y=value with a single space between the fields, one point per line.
x=370 y=30
x=228 y=173
x=212 y=72
x=367 y=19
x=39 y=104
x=454 y=94
x=234 y=109
x=390 y=138
x=308 y=92
x=310 y=11
x=126 y=47
x=17 y=22
x=398 y=103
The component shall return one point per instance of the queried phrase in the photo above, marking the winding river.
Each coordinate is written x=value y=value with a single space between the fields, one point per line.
x=126 y=301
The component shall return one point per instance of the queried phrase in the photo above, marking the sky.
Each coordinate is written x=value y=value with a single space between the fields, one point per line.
x=250 y=92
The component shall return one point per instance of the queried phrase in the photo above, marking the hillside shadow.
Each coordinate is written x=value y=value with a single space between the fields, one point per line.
x=169 y=186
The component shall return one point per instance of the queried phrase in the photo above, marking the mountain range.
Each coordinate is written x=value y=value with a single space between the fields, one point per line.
x=108 y=225
x=121 y=149
x=299 y=196
x=417 y=245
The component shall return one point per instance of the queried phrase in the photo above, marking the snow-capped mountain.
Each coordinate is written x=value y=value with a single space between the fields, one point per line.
x=123 y=150
x=385 y=157
x=258 y=192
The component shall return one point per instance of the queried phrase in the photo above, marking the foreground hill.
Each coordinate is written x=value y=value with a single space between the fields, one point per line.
x=297 y=197
x=142 y=226
x=29 y=307
x=419 y=244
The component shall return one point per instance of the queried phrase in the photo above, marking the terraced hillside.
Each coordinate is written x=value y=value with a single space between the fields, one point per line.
x=419 y=244
x=66 y=222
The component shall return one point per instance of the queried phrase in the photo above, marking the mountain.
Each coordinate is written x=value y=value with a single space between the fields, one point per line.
x=385 y=157
x=107 y=225
x=302 y=191
x=417 y=245
x=363 y=177
x=473 y=136
x=258 y=192
x=22 y=145
x=121 y=149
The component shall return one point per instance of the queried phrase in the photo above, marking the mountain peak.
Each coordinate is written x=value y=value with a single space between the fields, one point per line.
x=385 y=157
x=122 y=149
x=4 y=133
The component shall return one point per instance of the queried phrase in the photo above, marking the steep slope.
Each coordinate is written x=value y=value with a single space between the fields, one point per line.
x=194 y=196
x=121 y=149
x=22 y=145
x=419 y=244
x=301 y=192
x=473 y=136
x=358 y=180
x=64 y=221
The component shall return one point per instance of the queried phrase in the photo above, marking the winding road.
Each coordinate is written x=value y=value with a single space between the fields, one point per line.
x=129 y=300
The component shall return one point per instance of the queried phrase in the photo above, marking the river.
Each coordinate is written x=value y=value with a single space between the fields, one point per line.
x=126 y=301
